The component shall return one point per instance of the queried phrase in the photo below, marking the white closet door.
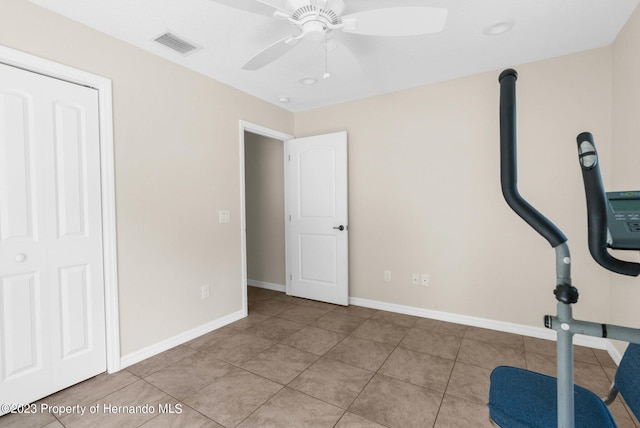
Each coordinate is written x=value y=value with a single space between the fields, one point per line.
x=52 y=328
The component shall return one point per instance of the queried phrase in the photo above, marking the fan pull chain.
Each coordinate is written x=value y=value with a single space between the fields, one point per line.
x=326 y=74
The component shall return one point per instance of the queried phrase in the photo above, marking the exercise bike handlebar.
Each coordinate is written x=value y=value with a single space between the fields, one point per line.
x=597 y=209
x=508 y=164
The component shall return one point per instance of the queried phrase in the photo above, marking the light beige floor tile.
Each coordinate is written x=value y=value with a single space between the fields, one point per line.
x=591 y=377
x=34 y=419
x=584 y=354
x=280 y=363
x=288 y=299
x=540 y=346
x=622 y=416
x=211 y=338
x=233 y=397
x=470 y=383
x=255 y=294
x=441 y=327
x=183 y=416
x=332 y=381
x=270 y=306
x=419 y=369
x=358 y=311
x=381 y=331
x=314 y=340
x=489 y=355
x=362 y=353
x=275 y=329
x=248 y=321
x=92 y=389
x=189 y=375
x=317 y=304
x=495 y=337
x=541 y=363
x=160 y=361
x=289 y=408
x=239 y=348
x=444 y=346
x=548 y=347
x=458 y=413
x=304 y=314
x=339 y=322
x=129 y=407
x=605 y=359
x=397 y=404
x=400 y=319
x=351 y=420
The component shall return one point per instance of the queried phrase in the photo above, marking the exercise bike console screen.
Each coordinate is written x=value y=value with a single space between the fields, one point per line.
x=623 y=220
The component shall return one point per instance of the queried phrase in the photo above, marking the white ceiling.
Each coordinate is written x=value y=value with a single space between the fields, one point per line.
x=360 y=66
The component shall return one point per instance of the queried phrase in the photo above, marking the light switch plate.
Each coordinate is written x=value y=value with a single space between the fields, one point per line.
x=224 y=216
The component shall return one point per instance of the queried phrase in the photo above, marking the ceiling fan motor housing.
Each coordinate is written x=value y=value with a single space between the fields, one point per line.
x=314 y=17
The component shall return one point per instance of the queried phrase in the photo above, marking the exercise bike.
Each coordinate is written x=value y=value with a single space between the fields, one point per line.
x=522 y=398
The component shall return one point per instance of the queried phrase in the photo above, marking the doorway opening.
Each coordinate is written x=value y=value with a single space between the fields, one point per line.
x=262 y=217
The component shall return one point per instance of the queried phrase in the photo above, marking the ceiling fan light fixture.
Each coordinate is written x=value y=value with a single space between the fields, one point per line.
x=314 y=31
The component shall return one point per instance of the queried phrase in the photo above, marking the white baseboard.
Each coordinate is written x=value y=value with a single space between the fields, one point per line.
x=150 y=351
x=267 y=285
x=525 y=330
x=613 y=352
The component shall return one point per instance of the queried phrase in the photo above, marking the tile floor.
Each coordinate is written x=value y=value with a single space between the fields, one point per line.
x=300 y=363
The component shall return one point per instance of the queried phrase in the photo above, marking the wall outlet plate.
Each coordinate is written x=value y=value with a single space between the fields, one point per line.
x=425 y=280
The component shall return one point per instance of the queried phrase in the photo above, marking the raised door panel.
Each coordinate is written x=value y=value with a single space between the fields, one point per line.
x=317 y=190
x=17 y=184
x=24 y=366
x=71 y=169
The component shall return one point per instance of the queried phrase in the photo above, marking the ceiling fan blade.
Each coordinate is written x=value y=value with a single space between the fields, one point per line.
x=270 y=53
x=396 y=21
x=255 y=6
x=273 y=6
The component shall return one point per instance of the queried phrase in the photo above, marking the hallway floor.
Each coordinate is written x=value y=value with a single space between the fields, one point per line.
x=300 y=363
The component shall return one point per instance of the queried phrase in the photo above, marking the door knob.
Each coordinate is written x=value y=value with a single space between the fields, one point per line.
x=341 y=227
x=20 y=258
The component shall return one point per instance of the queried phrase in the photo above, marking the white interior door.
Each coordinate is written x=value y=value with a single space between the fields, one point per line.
x=317 y=229
x=52 y=321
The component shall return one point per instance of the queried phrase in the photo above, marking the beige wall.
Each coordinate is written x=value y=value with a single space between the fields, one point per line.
x=625 y=291
x=424 y=181
x=264 y=194
x=424 y=191
x=177 y=162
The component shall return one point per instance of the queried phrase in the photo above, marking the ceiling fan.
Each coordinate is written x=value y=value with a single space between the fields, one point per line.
x=313 y=20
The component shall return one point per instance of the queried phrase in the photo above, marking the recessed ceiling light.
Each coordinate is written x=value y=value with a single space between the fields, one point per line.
x=499 y=27
x=308 y=80
x=283 y=99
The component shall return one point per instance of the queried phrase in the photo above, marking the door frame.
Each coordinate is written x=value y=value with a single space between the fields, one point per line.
x=266 y=132
x=49 y=68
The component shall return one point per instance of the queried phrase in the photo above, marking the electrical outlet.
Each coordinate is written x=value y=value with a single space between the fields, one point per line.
x=387 y=276
x=206 y=291
x=416 y=279
x=425 y=280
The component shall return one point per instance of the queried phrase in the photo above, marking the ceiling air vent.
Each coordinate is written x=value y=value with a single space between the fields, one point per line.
x=174 y=42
